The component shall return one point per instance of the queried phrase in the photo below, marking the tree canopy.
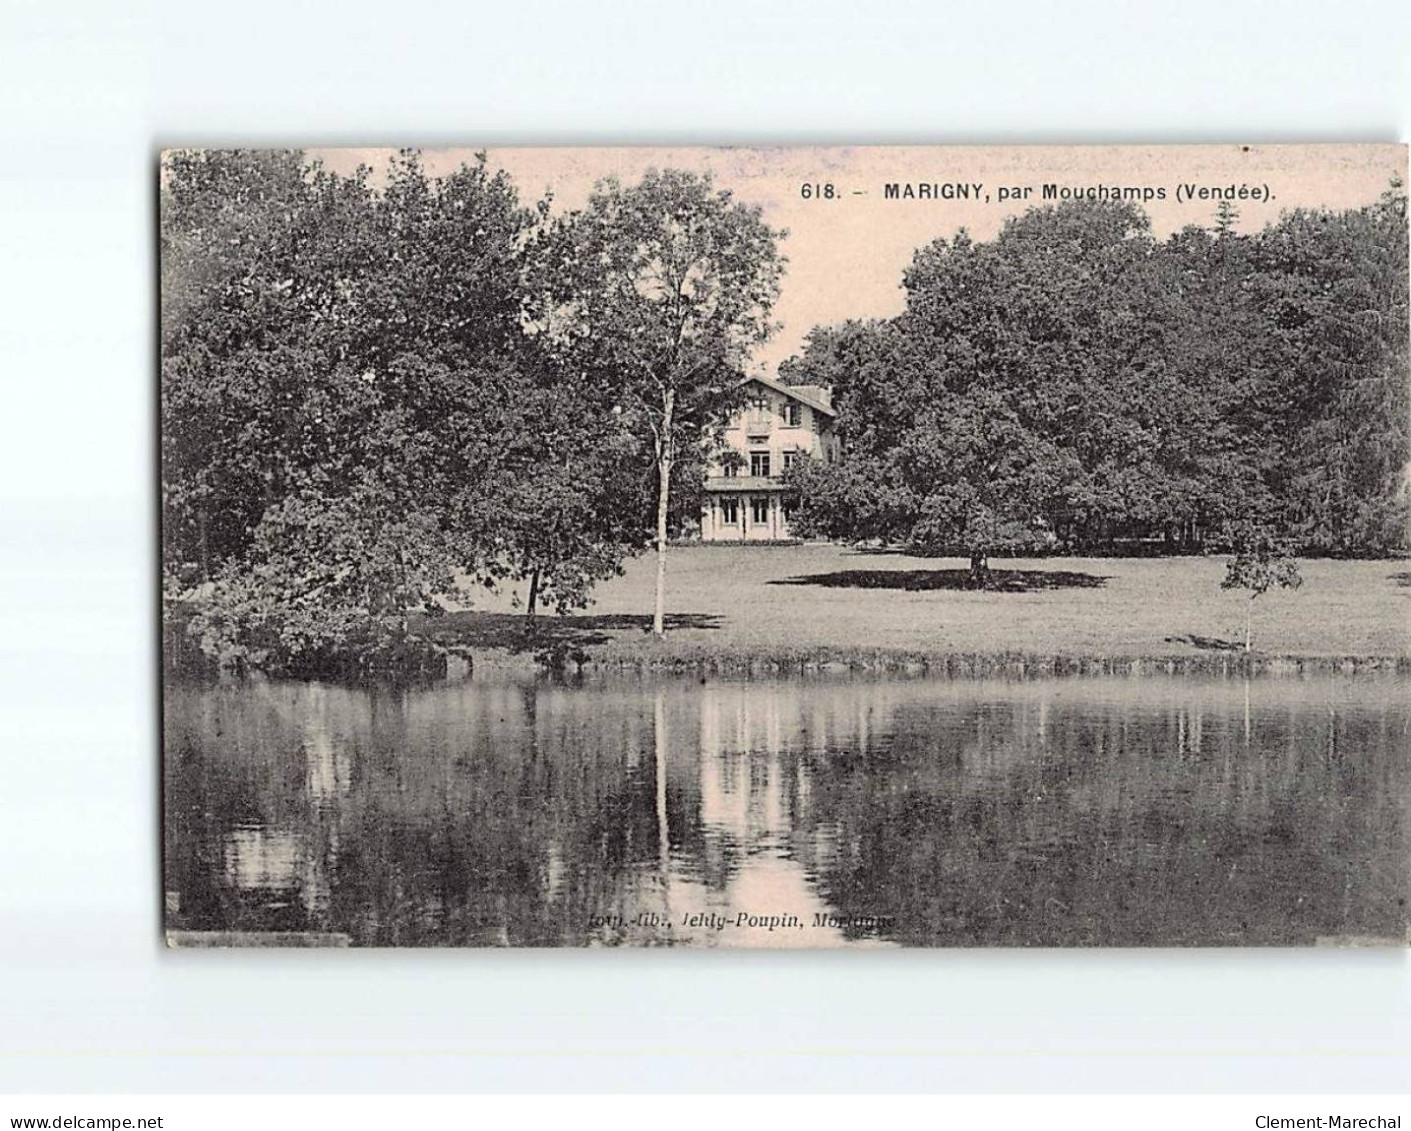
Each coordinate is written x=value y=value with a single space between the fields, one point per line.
x=355 y=424
x=381 y=391
x=1075 y=383
x=653 y=297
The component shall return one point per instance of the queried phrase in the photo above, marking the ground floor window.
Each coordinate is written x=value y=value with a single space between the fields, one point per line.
x=789 y=506
x=759 y=510
x=729 y=511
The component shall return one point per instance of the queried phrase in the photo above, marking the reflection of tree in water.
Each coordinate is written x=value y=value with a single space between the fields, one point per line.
x=1043 y=813
x=455 y=828
x=515 y=828
x=1025 y=825
x=247 y=820
x=743 y=755
x=741 y=776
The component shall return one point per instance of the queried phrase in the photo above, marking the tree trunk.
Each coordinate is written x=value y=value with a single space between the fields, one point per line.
x=664 y=454
x=203 y=525
x=979 y=569
x=1248 y=623
x=533 y=601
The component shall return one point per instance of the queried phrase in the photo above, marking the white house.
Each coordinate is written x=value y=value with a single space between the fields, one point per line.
x=746 y=499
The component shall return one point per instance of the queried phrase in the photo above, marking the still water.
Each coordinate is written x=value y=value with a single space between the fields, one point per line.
x=810 y=812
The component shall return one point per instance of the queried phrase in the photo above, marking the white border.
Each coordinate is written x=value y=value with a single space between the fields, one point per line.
x=89 y=1001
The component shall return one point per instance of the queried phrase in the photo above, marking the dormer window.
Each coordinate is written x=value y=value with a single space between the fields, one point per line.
x=793 y=415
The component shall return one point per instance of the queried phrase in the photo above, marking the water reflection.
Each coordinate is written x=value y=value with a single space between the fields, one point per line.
x=793 y=813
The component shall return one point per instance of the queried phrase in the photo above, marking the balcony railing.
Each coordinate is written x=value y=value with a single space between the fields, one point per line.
x=720 y=482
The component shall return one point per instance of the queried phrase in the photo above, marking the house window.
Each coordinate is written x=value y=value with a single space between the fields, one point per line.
x=789 y=507
x=729 y=512
x=793 y=415
x=790 y=459
x=759 y=509
x=759 y=464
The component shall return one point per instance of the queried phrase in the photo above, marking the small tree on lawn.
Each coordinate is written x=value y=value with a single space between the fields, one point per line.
x=1260 y=563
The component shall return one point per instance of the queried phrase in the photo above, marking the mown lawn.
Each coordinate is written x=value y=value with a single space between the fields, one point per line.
x=774 y=600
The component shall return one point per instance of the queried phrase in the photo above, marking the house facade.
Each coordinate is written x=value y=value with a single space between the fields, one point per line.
x=746 y=499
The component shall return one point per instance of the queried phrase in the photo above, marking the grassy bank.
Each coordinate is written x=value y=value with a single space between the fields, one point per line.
x=736 y=608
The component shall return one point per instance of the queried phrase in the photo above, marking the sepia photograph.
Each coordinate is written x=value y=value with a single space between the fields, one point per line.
x=804 y=547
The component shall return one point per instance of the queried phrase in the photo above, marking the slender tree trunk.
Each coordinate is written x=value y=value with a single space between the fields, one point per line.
x=401 y=598
x=1248 y=623
x=533 y=592
x=203 y=525
x=664 y=456
x=979 y=569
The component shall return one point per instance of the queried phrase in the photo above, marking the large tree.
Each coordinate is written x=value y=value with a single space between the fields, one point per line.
x=1017 y=395
x=652 y=297
x=258 y=250
x=831 y=354
x=353 y=417
x=1331 y=288
x=1225 y=423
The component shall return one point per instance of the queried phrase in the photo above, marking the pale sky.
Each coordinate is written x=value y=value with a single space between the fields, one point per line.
x=846 y=255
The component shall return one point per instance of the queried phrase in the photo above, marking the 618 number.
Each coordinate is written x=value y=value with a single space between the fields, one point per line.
x=814 y=191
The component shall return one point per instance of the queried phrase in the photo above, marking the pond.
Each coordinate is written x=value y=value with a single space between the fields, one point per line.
x=817 y=811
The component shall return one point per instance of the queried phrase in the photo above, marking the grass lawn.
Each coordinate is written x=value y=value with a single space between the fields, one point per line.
x=817 y=599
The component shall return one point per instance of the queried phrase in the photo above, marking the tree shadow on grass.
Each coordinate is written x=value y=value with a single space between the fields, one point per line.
x=1402 y=579
x=1001 y=580
x=885 y=552
x=1206 y=643
x=515 y=632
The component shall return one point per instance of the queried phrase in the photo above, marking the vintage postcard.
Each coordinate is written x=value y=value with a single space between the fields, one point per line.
x=793 y=547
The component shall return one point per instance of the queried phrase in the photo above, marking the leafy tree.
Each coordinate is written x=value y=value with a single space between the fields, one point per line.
x=1226 y=217
x=1261 y=562
x=832 y=353
x=652 y=296
x=257 y=252
x=566 y=492
x=577 y=499
x=1332 y=293
x=1004 y=402
x=354 y=419
x=1074 y=381
x=1224 y=424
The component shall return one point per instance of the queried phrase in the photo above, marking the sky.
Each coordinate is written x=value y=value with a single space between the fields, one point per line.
x=846 y=255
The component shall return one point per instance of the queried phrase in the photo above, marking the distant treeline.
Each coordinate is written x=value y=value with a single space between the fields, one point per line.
x=1076 y=384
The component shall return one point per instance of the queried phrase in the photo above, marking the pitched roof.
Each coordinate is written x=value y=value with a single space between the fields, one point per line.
x=815 y=396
